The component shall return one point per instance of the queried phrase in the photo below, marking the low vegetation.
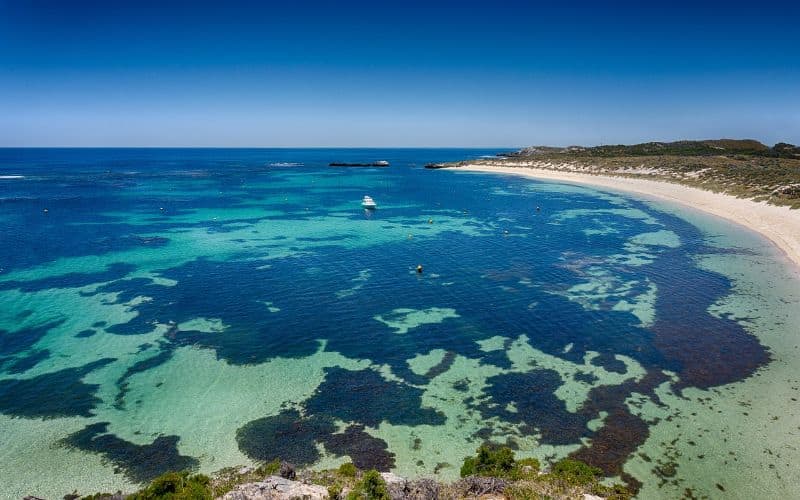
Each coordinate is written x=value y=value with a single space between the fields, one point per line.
x=176 y=486
x=743 y=168
x=371 y=487
x=493 y=471
x=567 y=478
x=168 y=486
x=716 y=147
x=499 y=462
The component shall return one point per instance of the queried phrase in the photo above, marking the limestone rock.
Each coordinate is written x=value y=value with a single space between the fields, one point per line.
x=395 y=484
x=392 y=478
x=287 y=471
x=422 y=489
x=277 y=488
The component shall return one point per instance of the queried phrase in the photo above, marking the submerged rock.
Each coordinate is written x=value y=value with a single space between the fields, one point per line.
x=277 y=488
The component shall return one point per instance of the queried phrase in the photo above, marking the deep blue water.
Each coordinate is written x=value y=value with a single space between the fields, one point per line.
x=598 y=286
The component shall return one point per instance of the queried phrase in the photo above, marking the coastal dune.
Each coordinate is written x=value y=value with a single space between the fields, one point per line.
x=781 y=225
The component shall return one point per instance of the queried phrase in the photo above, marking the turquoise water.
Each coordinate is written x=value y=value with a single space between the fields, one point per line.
x=172 y=309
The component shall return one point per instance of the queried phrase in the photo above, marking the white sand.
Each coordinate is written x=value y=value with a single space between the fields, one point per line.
x=781 y=225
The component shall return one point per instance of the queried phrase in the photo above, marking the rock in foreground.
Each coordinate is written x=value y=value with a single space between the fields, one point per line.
x=275 y=487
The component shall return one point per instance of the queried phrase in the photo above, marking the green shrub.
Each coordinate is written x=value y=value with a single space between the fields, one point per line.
x=613 y=492
x=335 y=491
x=576 y=472
x=527 y=468
x=489 y=461
x=269 y=468
x=176 y=486
x=348 y=470
x=468 y=468
x=525 y=490
x=371 y=487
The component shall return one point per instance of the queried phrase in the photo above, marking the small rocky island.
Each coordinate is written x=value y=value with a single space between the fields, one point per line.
x=379 y=163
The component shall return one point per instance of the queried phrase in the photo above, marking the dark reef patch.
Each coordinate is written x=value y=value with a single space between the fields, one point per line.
x=622 y=432
x=293 y=437
x=252 y=335
x=365 y=397
x=609 y=362
x=442 y=366
x=705 y=351
x=587 y=378
x=24 y=314
x=138 y=367
x=15 y=342
x=461 y=385
x=28 y=361
x=140 y=463
x=71 y=280
x=287 y=436
x=365 y=451
x=710 y=351
x=537 y=406
x=51 y=395
x=89 y=332
x=360 y=398
x=143 y=347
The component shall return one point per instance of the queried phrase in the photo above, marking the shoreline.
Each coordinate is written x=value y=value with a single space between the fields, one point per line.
x=780 y=225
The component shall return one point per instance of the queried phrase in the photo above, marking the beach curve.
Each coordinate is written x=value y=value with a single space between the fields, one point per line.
x=780 y=225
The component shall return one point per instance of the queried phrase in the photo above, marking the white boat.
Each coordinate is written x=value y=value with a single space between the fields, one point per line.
x=368 y=203
x=381 y=163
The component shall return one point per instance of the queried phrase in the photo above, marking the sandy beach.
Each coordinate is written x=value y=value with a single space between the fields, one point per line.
x=781 y=225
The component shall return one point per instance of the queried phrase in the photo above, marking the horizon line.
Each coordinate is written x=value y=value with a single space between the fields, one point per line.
x=511 y=147
x=261 y=147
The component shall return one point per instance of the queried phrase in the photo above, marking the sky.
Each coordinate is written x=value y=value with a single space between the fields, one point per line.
x=395 y=73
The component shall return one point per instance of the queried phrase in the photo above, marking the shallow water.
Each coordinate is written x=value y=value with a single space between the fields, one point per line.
x=202 y=309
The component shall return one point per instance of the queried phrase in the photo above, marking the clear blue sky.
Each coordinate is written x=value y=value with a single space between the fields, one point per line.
x=403 y=73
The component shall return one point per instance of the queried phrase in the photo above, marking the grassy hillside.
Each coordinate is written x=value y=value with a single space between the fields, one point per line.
x=716 y=147
x=743 y=168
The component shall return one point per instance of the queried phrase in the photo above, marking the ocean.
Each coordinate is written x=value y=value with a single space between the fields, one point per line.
x=168 y=309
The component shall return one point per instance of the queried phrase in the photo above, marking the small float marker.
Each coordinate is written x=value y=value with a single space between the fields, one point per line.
x=430 y=221
x=45 y=210
x=419 y=269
